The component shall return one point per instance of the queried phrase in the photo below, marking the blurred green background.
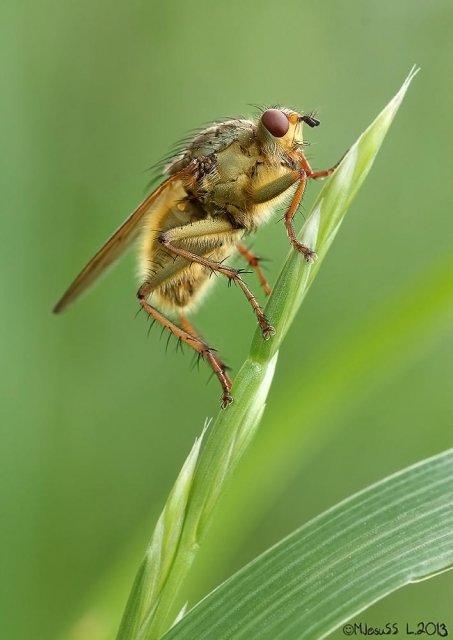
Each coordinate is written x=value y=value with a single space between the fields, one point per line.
x=96 y=418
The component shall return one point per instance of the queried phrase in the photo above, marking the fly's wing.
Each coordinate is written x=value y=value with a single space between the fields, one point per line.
x=116 y=244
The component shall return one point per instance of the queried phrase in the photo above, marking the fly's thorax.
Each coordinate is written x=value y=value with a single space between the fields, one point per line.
x=227 y=180
x=241 y=170
x=236 y=160
x=211 y=141
x=227 y=188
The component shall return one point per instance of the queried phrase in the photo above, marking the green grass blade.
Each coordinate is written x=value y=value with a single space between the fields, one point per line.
x=396 y=532
x=313 y=404
x=233 y=430
x=161 y=551
x=417 y=315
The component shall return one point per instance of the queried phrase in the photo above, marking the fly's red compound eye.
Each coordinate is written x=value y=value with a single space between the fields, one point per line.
x=276 y=122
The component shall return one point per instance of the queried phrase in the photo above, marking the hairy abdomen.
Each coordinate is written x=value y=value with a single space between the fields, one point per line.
x=185 y=290
x=178 y=284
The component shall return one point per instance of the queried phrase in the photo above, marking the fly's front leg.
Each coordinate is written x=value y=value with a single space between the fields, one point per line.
x=194 y=241
x=309 y=254
x=276 y=188
x=305 y=172
x=316 y=175
x=281 y=184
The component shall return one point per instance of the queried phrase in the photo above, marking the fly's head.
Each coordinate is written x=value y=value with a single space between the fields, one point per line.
x=280 y=130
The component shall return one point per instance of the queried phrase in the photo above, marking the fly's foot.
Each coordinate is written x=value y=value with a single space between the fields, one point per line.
x=310 y=256
x=226 y=400
x=267 y=330
x=220 y=370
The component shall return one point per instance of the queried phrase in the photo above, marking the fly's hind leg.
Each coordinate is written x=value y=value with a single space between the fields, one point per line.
x=188 y=338
x=213 y=358
x=254 y=262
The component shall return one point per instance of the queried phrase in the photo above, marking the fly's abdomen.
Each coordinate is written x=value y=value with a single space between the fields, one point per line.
x=183 y=286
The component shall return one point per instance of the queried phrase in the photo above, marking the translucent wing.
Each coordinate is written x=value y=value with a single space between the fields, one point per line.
x=116 y=244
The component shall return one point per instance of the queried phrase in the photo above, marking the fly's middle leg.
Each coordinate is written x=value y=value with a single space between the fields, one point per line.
x=198 y=239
